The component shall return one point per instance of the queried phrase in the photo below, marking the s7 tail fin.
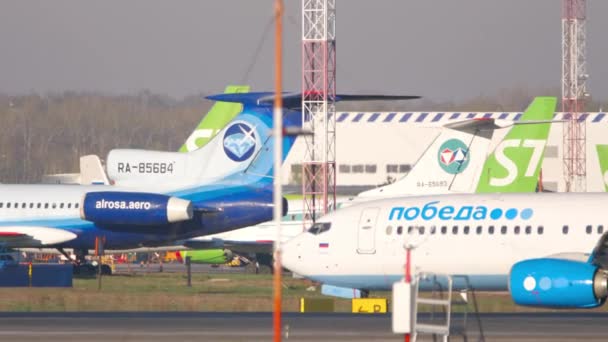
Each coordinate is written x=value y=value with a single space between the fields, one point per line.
x=514 y=165
x=602 y=155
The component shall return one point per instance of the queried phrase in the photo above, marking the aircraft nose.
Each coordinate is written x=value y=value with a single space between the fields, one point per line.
x=292 y=255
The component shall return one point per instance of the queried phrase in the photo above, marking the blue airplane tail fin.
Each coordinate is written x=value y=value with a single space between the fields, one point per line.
x=242 y=152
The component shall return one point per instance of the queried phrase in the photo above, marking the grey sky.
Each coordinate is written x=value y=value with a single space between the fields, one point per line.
x=441 y=49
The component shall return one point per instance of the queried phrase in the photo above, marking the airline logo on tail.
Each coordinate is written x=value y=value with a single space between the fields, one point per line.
x=453 y=156
x=602 y=155
x=515 y=164
x=512 y=172
x=239 y=141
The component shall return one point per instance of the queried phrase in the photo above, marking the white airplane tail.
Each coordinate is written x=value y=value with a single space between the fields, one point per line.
x=452 y=163
x=243 y=147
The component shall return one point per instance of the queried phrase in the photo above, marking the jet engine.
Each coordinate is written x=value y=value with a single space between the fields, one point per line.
x=558 y=283
x=134 y=208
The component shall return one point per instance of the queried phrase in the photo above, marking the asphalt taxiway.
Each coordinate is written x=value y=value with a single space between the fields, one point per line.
x=297 y=327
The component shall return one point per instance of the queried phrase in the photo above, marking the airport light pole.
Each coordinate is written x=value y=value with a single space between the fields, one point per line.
x=278 y=157
x=408 y=275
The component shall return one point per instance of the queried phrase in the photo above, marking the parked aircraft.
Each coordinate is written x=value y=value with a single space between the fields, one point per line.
x=545 y=249
x=225 y=185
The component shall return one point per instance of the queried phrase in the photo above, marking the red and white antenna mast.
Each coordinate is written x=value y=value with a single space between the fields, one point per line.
x=574 y=92
x=318 y=107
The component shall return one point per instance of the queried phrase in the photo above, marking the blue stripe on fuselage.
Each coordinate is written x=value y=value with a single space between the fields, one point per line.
x=490 y=282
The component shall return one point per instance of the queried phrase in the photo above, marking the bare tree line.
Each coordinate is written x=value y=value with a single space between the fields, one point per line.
x=42 y=134
x=48 y=134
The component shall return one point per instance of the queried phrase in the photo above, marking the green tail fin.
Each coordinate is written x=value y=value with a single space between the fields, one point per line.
x=602 y=155
x=218 y=117
x=515 y=164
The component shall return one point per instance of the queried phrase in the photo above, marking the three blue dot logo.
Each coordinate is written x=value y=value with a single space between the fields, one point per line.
x=511 y=213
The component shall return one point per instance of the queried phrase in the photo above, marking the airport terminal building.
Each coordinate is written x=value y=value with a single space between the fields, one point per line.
x=374 y=147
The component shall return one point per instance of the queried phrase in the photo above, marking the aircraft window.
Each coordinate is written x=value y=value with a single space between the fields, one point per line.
x=588 y=229
x=23 y=205
x=432 y=230
x=528 y=229
x=403 y=168
x=410 y=229
x=491 y=229
x=516 y=229
x=503 y=230
x=61 y=206
x=46 y=205
x=455 y=230
x=565 y=229
x=389 y=230
x=466 y=229
x=16 y=206
x=421 y=230
x=31 y=205
x=76 y=205
x=541 y=230
x=399 y=230
x=444 y=229
x=39 y=205
x=8 y=205
x=600 y=229
x=321 y=227
x=479 y=229
x=69 y=205
x=1 y=205
x=54 y=205
x=325 y=227
x=394 y=168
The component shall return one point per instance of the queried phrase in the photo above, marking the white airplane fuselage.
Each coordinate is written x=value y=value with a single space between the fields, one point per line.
x=476 y=238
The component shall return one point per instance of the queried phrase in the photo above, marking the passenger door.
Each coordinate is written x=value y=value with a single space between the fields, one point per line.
x=366 y=240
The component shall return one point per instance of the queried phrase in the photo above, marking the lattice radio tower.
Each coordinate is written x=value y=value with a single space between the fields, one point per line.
x=318 y=107
x=574 y=92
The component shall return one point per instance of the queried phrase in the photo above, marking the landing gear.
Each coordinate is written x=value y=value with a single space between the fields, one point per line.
x=106 y=269
x=82 y=266
x=264 y=263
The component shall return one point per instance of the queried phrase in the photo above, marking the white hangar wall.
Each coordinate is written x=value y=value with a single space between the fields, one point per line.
x=371 y=147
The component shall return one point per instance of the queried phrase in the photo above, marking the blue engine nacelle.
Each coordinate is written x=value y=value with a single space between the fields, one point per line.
x=134 y=208
x=558 y=283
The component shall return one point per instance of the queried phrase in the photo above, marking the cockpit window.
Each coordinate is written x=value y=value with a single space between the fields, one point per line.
x=319 y=227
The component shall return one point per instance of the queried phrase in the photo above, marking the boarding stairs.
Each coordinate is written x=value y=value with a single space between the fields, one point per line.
x=434 y=304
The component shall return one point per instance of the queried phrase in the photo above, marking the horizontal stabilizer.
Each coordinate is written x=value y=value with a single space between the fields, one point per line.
x=294 y=100
x=473 y=125
x=483 y=124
